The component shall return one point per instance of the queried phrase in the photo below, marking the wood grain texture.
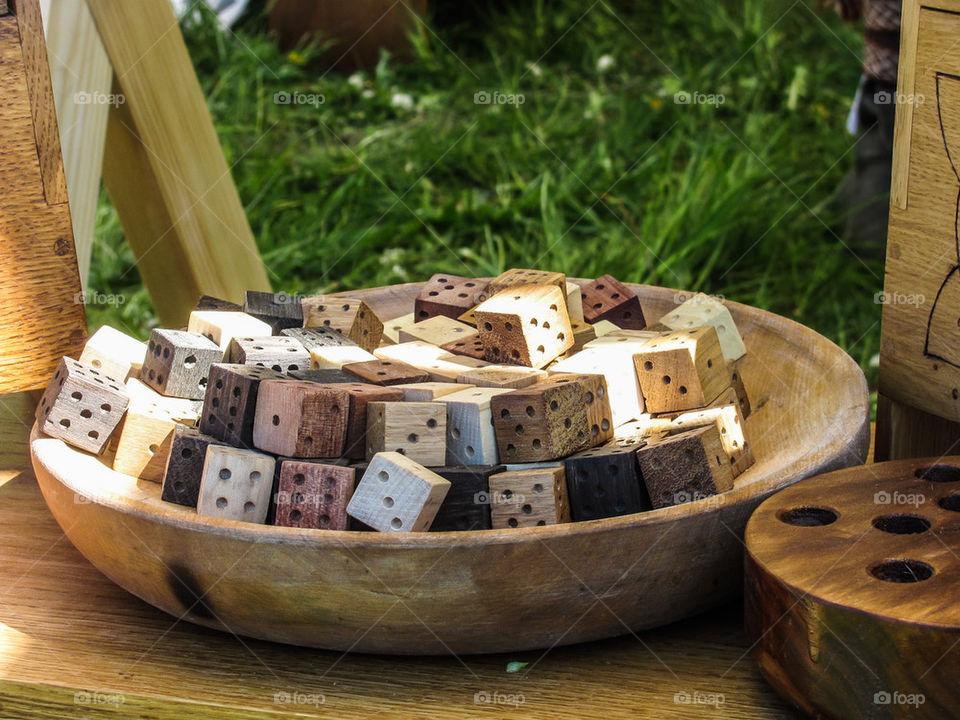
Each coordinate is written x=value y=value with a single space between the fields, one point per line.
x=524 y=325
x=541 y=422
x=810 y=415
x=334 y=357
x=81 y=76
x=438 y=330
x=236 y=484
x=439 y=364
x=280 y=353
x=115 y=353
x=702 y=310
x=397 y=494
x=415 y=429
x=849 y=591
x=222 y=326
x=502 y=376
x=348 y=316
x=470 y=436
x=301 y=419
x=313 y=495
x=606 y=298
x=429 y=391
x=386 y=372
x=184 y=470
x=178 y=363
x=166 y=172
x=230 y=403
x=529 y=498
x=686 y=467
x=42 y=103
x=146 y=437
x=42 y=314
x=448 y=296
x=919 y=365
x=681 y=370
x=466 y=505
x=361 y=395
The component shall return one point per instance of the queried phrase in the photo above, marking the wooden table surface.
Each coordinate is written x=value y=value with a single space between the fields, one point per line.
x=72 y=644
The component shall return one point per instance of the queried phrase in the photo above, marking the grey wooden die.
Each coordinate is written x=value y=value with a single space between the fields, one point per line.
x=178 y=362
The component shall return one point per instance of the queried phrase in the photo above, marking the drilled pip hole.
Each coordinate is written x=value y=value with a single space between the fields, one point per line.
x=901 y=524
x=950 y=502
x=808 y=516
x=941 y=473
x=902 y=571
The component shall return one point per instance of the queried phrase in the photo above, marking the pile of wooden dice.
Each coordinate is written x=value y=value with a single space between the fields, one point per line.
x=520 y=401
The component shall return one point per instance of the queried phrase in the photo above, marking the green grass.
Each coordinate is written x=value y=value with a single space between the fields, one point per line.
x=596 y=172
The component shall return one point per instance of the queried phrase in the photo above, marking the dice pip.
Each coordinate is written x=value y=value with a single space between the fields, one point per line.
x=541 y=422
x=467 y=504
x=606 y=298
x=178 y=363
x=702 y=310
x=470 y=436
x=82 y=406
x=397 y=494
x=351 y=317
x=184 y=470
x=280 y=353
x=605 y=482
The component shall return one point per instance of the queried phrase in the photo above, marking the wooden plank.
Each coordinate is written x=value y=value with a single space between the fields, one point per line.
x=166 y=172
x=42 y=106
x=41 y=317
x=81 y=75
x=907 y=432
x=906 y=81
x=920 y=343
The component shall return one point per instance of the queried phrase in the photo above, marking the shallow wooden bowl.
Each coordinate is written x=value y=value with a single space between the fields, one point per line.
x=482 y=591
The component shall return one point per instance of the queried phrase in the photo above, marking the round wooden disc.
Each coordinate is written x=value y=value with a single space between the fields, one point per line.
x=853 y=590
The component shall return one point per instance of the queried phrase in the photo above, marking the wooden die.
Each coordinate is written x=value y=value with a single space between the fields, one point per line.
x=396 y=494
x=703 y=310
x=447 y=296
x=313 y=495
x=280 y=353
x=114 y=353
x=318 y=337
x=144 y=444
x=605 y=482
x=467 y=504
x=415 y=429
x=236 y=484
x=615 y=363
x=82 y=406
x=360 y=396
x=351 y=317
x=606 y=298
x=522 y=276
x=685 y=467
x=596 y=402
x=301 y=419
x=438 y=330
x=525 y=325
x=178 y=363
x=184 y=470
x=545 y=421
x=279 y=310
x=385 y=372
x=470 y=436
x=681 y=370
x=221 y=327
x=502 y=376
x=230 y=404
x=528 y=498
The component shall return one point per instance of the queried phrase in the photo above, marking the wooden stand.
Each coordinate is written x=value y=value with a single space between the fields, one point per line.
x=851 y=587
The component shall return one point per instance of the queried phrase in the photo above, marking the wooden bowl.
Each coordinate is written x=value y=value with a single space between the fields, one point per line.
x=472 y=592
x=852 y=581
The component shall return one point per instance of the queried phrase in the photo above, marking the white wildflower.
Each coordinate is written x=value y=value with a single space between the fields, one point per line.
x=605 y=62
x=402 y=101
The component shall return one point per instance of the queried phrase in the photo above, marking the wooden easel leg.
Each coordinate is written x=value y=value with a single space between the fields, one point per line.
x=906 y=432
